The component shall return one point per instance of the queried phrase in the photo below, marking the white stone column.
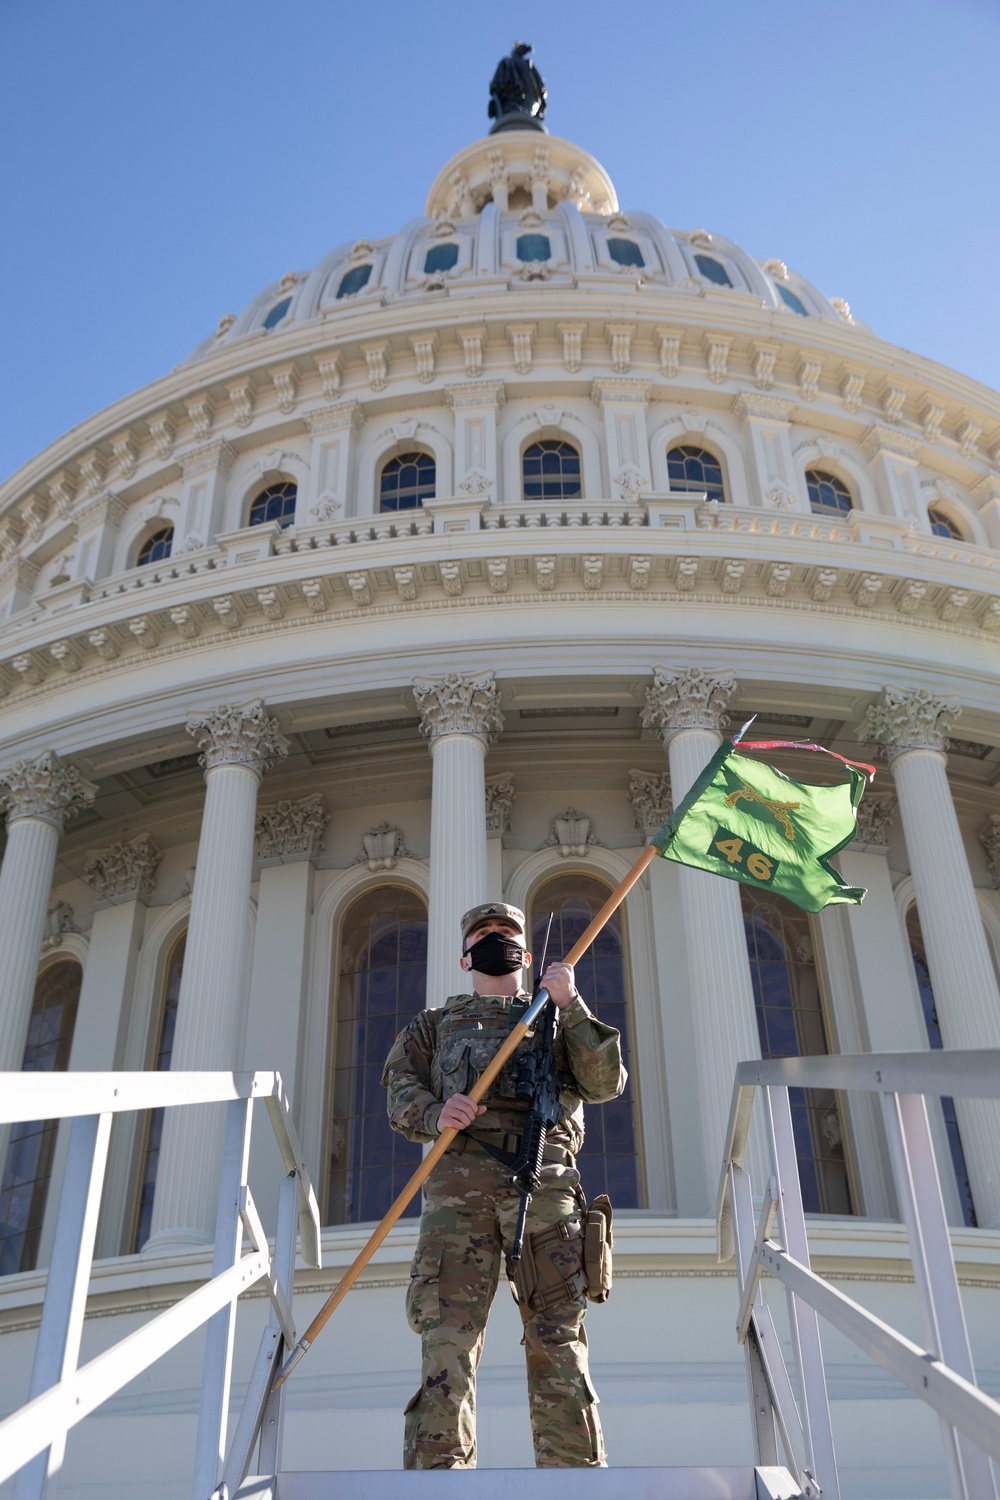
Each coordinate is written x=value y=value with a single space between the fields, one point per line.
x=460 y=717
x=687 y=709
x=39 y=796
x=238 y=743
x=911 y=728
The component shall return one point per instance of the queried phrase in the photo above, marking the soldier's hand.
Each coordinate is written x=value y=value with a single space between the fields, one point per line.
x=459 y=1111
x=559 y=981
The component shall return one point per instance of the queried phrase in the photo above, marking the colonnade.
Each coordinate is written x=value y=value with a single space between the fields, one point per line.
x=460 y=717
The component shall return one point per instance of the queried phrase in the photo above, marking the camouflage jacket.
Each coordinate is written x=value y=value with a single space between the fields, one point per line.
x=442 y=1052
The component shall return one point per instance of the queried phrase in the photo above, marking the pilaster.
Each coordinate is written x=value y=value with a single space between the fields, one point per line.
x=764 y=421
x=206 y=471
x=892 y=458
x=475 y=404
x=334 y=431
x=622 y=404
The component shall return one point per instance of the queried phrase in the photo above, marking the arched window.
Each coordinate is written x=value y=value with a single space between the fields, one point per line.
x=942 y=525
x=441 y=258
x=625 y=252
x=407 y=481
x=791 y=1024
x=380 y=986
x=156 y=547
x=149 y=1153
x=277 y=313
x=25 y=1184
x=712 y=270
x=276 y=503
x=533 y=247
x=609 y=1160
x=790 y=300
x=550 y=470
x=919 y=955
x=354 y=280
x=690 y=468
x=828 y=495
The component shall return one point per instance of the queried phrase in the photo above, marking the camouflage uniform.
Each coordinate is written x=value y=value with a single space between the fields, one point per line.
x=470 y=1212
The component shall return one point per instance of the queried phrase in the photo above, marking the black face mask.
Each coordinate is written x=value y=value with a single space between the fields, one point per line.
x=496 y=954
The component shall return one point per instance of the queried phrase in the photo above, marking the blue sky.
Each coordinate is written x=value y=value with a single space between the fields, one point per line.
x=161 y=162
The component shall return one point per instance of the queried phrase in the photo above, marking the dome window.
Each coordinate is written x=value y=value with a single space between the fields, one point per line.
x=276 y=503
x=156 y=548
x=407 y=481
x=551 y=471
x=533 y=247
x=278 y=311
x=790 y=300
x=943 y=525
x=354 y=280
x=828 y=495
x=625 y=253
x=441 y=258
x=712 y=270
x=695 y=469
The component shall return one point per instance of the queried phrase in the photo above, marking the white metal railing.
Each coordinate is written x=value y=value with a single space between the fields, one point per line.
x=942 y=1373
x=33 y=1438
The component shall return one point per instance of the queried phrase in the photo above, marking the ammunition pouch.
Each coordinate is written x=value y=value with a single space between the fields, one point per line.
x=550 y=1270
x=598 y=1240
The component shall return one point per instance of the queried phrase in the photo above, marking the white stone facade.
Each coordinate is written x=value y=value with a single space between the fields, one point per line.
x=419 y=697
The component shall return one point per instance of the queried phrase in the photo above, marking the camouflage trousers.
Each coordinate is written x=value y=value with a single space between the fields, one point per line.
x=469 y=1219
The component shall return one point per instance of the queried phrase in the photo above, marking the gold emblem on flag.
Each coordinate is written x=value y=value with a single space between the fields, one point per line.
x=779 y=810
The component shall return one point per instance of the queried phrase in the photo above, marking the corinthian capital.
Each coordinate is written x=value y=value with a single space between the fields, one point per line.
x=238 y=734
x=459 y=705
x=44 y=788
x=903 y=720
x=651 y=798
x=292 y=829
x=989 y=837
x=124 y=871
x=692 y=699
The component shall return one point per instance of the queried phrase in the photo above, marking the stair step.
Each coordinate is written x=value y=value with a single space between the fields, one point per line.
x=526 y=1484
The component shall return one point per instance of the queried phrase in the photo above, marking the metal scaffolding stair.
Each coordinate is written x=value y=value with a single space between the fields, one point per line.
x=528 y=1484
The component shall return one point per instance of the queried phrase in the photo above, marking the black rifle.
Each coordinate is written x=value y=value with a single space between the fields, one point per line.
x=535 y=1083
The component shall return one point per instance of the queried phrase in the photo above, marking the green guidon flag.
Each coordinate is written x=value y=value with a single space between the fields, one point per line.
x=748 y=821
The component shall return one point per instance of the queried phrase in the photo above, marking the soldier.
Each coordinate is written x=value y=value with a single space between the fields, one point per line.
x=471 y=1209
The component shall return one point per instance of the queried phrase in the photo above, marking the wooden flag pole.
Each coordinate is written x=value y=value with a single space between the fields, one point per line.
x=444 y=1140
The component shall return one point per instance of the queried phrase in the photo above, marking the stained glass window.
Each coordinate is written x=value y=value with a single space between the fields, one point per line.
x=712 y=270
x=625 y=252
x=609 y=1161
x=691 y=468
x=380 y=987
x=25 y=1184
x=551 y=471
x=276 y=503
x=156 y=548
x=790 y=300
x=828 y=495
x=441 y=258
x=353 y=281
x=533 y=247
x=407 y=481
x=923 y=973
x=153 y=1129
x=791 y=1024
x=943 y=525
x=278 y=311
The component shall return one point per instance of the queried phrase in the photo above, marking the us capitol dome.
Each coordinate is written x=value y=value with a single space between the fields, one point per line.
x=434 y=576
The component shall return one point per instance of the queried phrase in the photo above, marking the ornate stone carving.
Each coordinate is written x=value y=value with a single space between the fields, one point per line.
x=893 y=401
x=932 y=416
x=331 y=376
x=823 y=585
x=499 y=801
x=851 y=387
x=377 y=359
x=361 y=594
x=631 y=482
x=875 y=815
x=291 y=828
x=687 y=574
x=451 y=577
x=476 y=483
x=910 y=596
x=968 y=438
x=59 y=920
x=989 y=837
x=692 y=699
x=572 y=345
x=383 y=846
x=619 y=336
x=651 y=799
x=473 y=341
x=237 y=734
x=717 y=354
x=124 y=871
x=521 y=336
x=777 y=581
x=638 y=573
x=496 y=571
x=545 y=573
x=162 y=431
x=44 y=788
x=593 y=572
x=952 y=605
x=424 y=346
x=732 y=575
x=809 y=373
x=572 y=833
x=908 y=720
x=764 y=356
x=457 y=704
x=868 y=589
x=201 y=410
x=670 y=352
x=242 y=395
x=285 y=380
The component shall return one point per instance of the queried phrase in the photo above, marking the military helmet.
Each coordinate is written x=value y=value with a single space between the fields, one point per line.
x=477 y=915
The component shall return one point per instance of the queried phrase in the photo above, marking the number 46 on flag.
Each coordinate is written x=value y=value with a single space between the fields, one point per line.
x=748 y=821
